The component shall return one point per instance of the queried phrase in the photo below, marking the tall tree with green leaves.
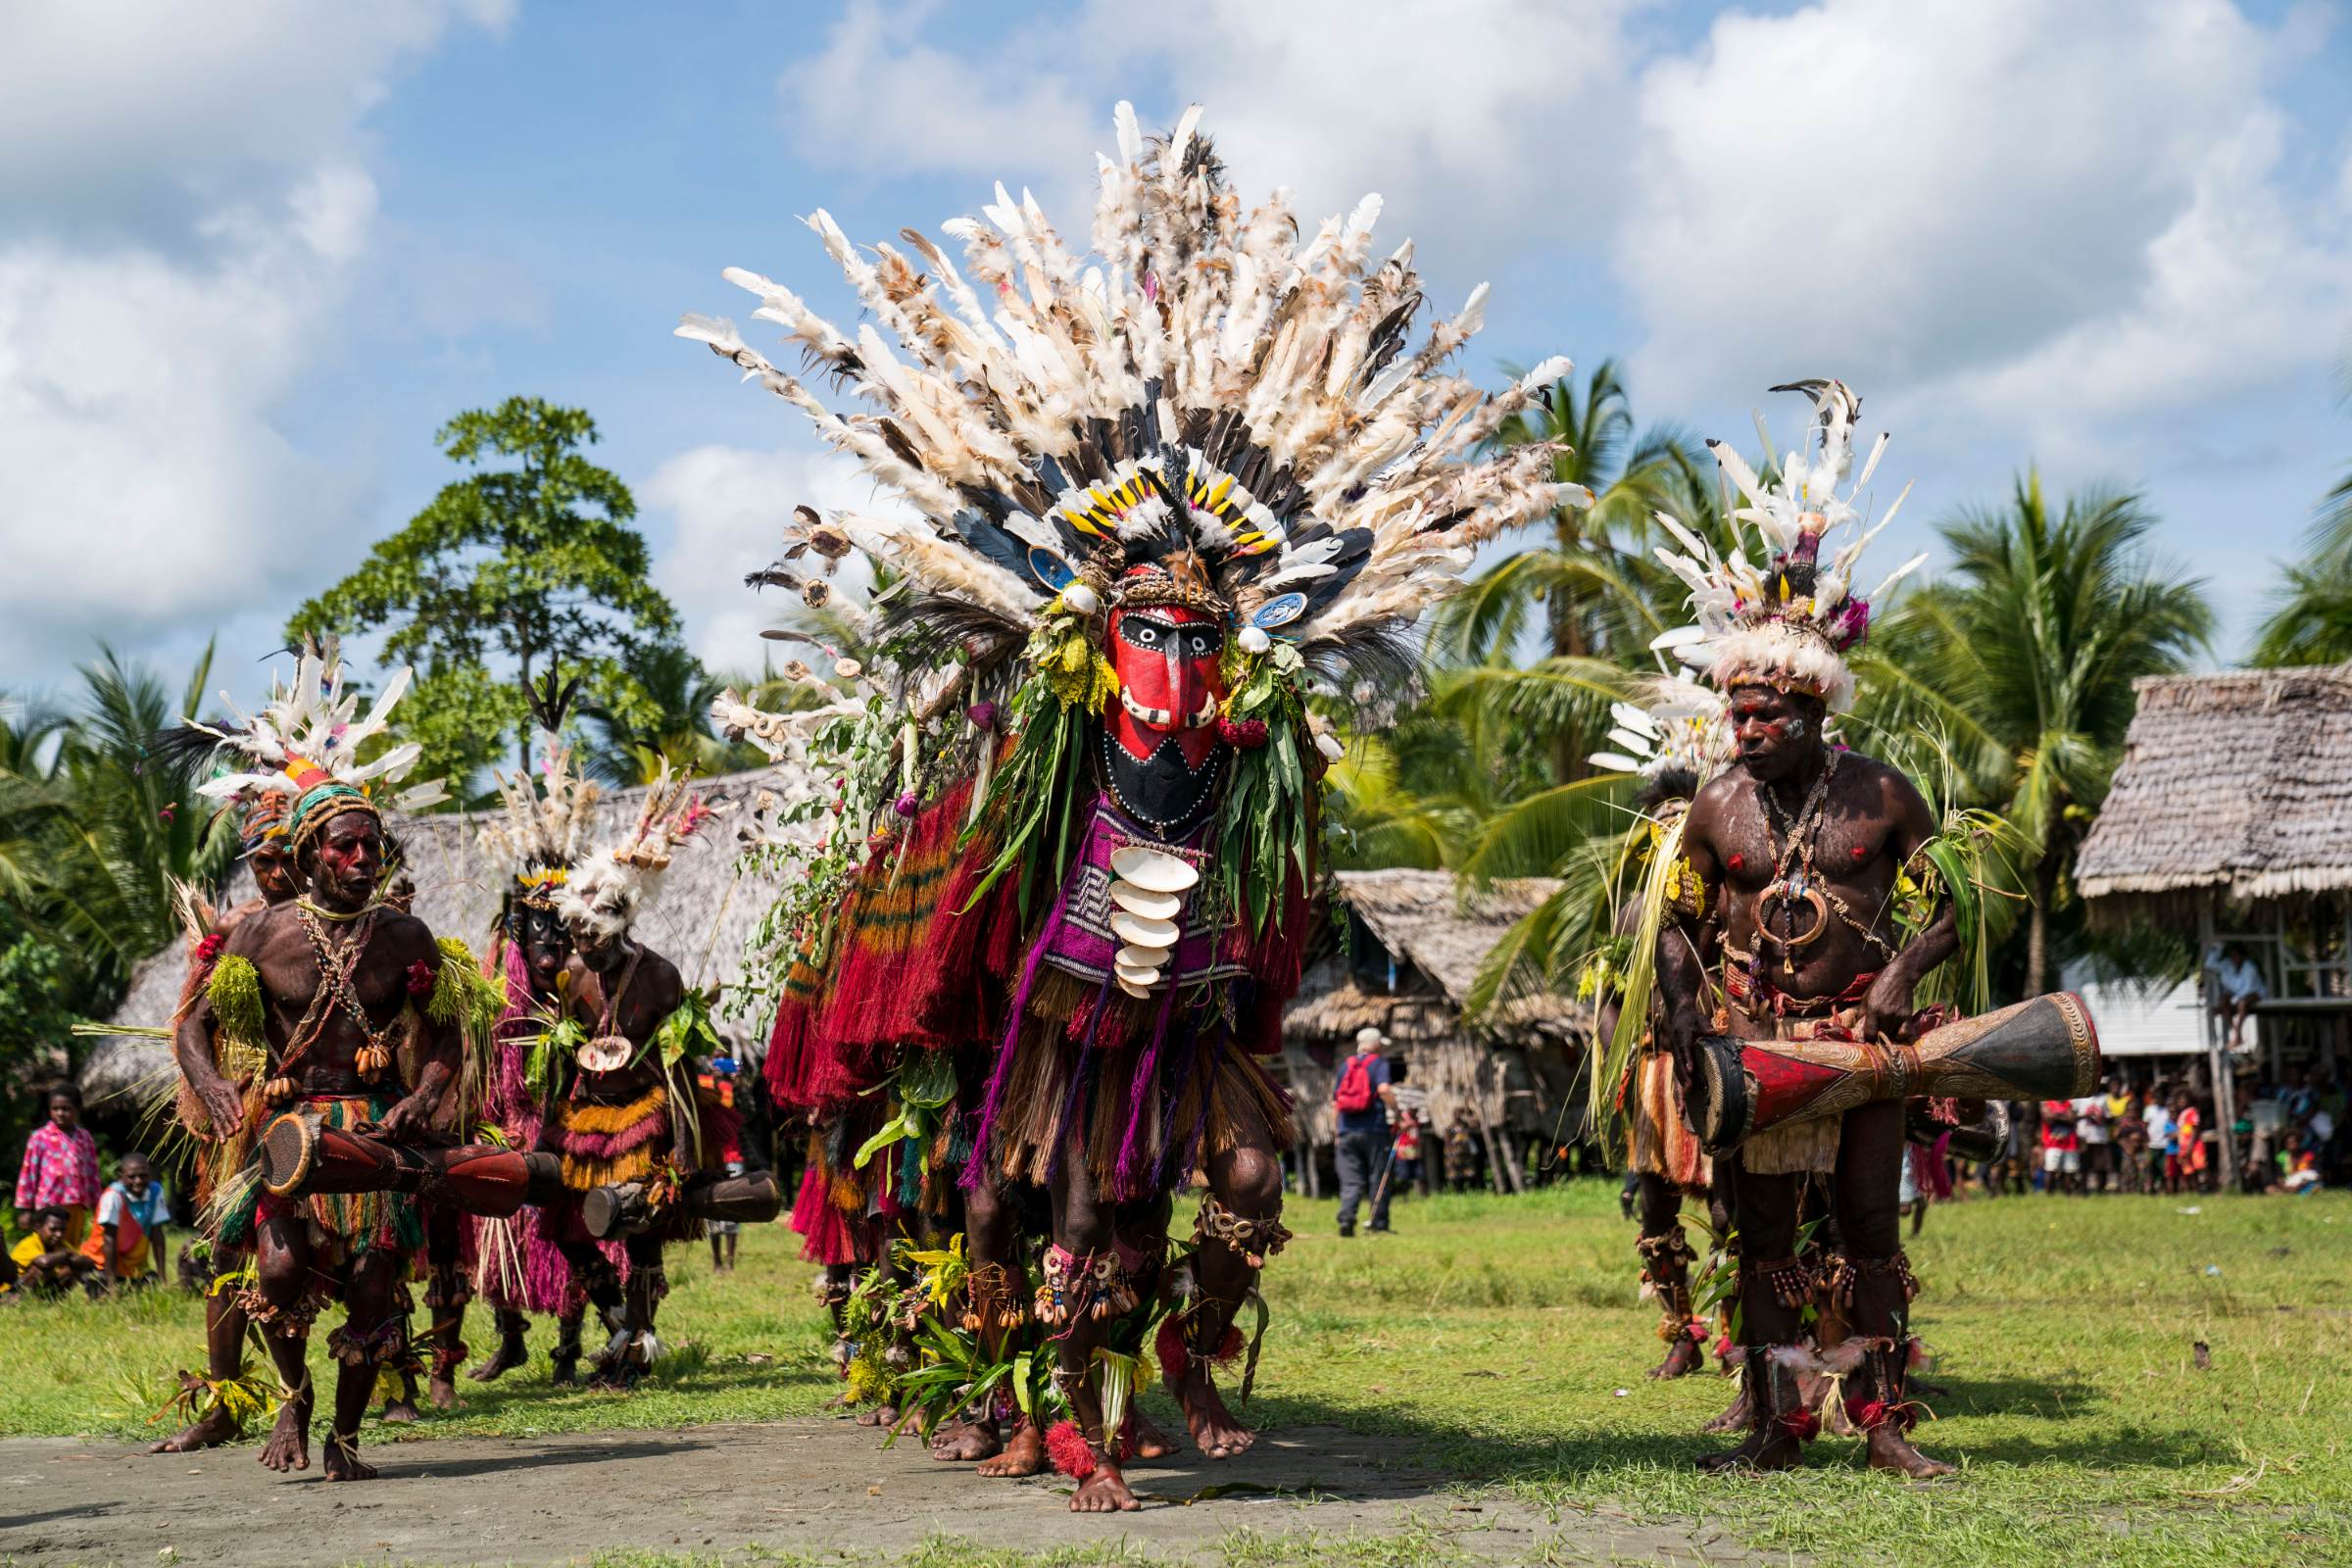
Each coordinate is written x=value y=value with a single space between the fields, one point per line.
x=1578 y=579
x=2033 y=638
x=526 y=564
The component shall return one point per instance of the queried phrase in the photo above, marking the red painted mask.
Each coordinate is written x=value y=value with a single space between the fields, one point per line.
x=1171 y=679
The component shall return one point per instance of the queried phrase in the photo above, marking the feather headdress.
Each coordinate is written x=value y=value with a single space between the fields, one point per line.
x=304 y=745
x=1680 y=729
x=608 y=891
x=1205 y=396
x=1789 y=623
x=542 y=826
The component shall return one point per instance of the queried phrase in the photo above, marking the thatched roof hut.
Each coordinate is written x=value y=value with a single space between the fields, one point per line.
x=2233 y=788
x=707 y=909
x=1415 y=941
x=2229 y=819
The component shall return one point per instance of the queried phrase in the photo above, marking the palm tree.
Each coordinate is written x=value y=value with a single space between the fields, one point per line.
x=678 y=732
x=1580 y=577
x=134 y=825
x=2313 y=621
x=2034 y=639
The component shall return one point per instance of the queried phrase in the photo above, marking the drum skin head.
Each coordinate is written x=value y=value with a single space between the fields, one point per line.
x=600 y=1211
x=287 y=1146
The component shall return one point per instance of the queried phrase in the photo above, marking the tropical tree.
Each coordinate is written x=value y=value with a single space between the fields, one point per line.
x=672 y=724
x=2313 y=621
x=1578 y=579
x=2034 y=640
x=533 y=567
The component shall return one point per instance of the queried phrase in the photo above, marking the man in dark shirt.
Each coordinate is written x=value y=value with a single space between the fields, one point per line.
x=1363 y=1134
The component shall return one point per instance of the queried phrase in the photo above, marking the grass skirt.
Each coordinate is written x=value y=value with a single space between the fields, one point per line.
x=1662 y=1143
x=1149 y=1113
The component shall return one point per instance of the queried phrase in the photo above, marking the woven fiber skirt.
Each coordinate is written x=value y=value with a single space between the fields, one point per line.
x=1145 y=1116
x=1661 y=1143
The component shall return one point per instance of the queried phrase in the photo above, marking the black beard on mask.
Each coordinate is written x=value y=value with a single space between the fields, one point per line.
x=1162 y=792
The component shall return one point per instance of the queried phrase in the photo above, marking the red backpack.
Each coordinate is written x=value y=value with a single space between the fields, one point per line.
x=1355 y=1090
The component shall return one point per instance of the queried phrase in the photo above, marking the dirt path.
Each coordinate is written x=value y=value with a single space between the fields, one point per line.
x=814 y=1486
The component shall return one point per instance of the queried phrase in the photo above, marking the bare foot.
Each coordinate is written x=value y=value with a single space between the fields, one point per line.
x=508 y=1355
x=400 y=1412
x=442 y=1388
x=907 y=1425
x=881 y=1415
x=1024 y=1454
x=289 y=1445
x=1215 y=1432
x=1105 y=1492
x=967 y=1443
x=1771 y=1450
x=203 y=1433
x=1149 y=1442
x=1891 y=1450
x=1682 y=1358
x=343 y=1459
x=564 y=1370
x=1734 y=1419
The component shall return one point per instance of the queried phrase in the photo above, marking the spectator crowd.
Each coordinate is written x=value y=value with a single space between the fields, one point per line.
x=2161 y=1135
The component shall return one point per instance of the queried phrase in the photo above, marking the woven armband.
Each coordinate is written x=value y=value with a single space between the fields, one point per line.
x=1685 y=890
x=235 y=993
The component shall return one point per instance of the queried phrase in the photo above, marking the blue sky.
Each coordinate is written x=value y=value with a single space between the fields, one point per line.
x=253 y=253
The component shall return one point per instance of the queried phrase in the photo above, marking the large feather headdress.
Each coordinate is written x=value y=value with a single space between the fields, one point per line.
x=1680 y=729
x=304 y=745
x=608 y=891
x=1205 y=409
x=1790 y=622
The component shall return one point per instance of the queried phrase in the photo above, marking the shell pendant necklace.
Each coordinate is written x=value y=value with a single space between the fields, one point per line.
x=1793 y=871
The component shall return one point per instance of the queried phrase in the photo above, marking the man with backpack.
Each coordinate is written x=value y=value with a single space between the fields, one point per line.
x=1362 y=1098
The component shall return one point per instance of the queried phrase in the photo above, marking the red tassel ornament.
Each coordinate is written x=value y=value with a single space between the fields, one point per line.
x=1069 y=1450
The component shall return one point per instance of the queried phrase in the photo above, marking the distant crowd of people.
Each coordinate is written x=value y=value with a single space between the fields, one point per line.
x=2162 y=1136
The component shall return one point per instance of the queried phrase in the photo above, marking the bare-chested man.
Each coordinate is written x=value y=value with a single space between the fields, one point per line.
x=1791 y=813
x=336 y=971
x=619 y=1122
x=615 y=1121
x=221 y=1150
x=1795 y=850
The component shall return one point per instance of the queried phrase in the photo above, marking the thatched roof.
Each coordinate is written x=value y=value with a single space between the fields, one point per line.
x=2237 y=785
x=705 y=912
x=1444 y=928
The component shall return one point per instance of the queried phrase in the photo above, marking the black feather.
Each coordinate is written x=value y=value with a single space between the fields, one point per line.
x=1382 y=652
x=181 y=753
x=551 y=699
x=989 y=540
x=928 y=630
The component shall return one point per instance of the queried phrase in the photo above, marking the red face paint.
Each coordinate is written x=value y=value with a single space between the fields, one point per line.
x=1168 y=658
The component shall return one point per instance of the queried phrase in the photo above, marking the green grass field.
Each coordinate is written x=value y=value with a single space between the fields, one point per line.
x=1499 y=1342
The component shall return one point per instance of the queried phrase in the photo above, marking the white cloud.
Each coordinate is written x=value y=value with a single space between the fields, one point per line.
x=2045 y=216
x=188 y=198
x=878 y=100
x=727 y=506
x=1466 y=119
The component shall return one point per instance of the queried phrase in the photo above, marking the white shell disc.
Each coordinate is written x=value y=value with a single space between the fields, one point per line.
x=1135 y=957
x=1132 y=989
x=1130 y=976
x=1146 y=903
x=1153 y=871
x=605 y=1054
x=1143 y=930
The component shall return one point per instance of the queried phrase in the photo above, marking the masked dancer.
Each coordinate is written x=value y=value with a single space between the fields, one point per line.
x=1149 y=497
